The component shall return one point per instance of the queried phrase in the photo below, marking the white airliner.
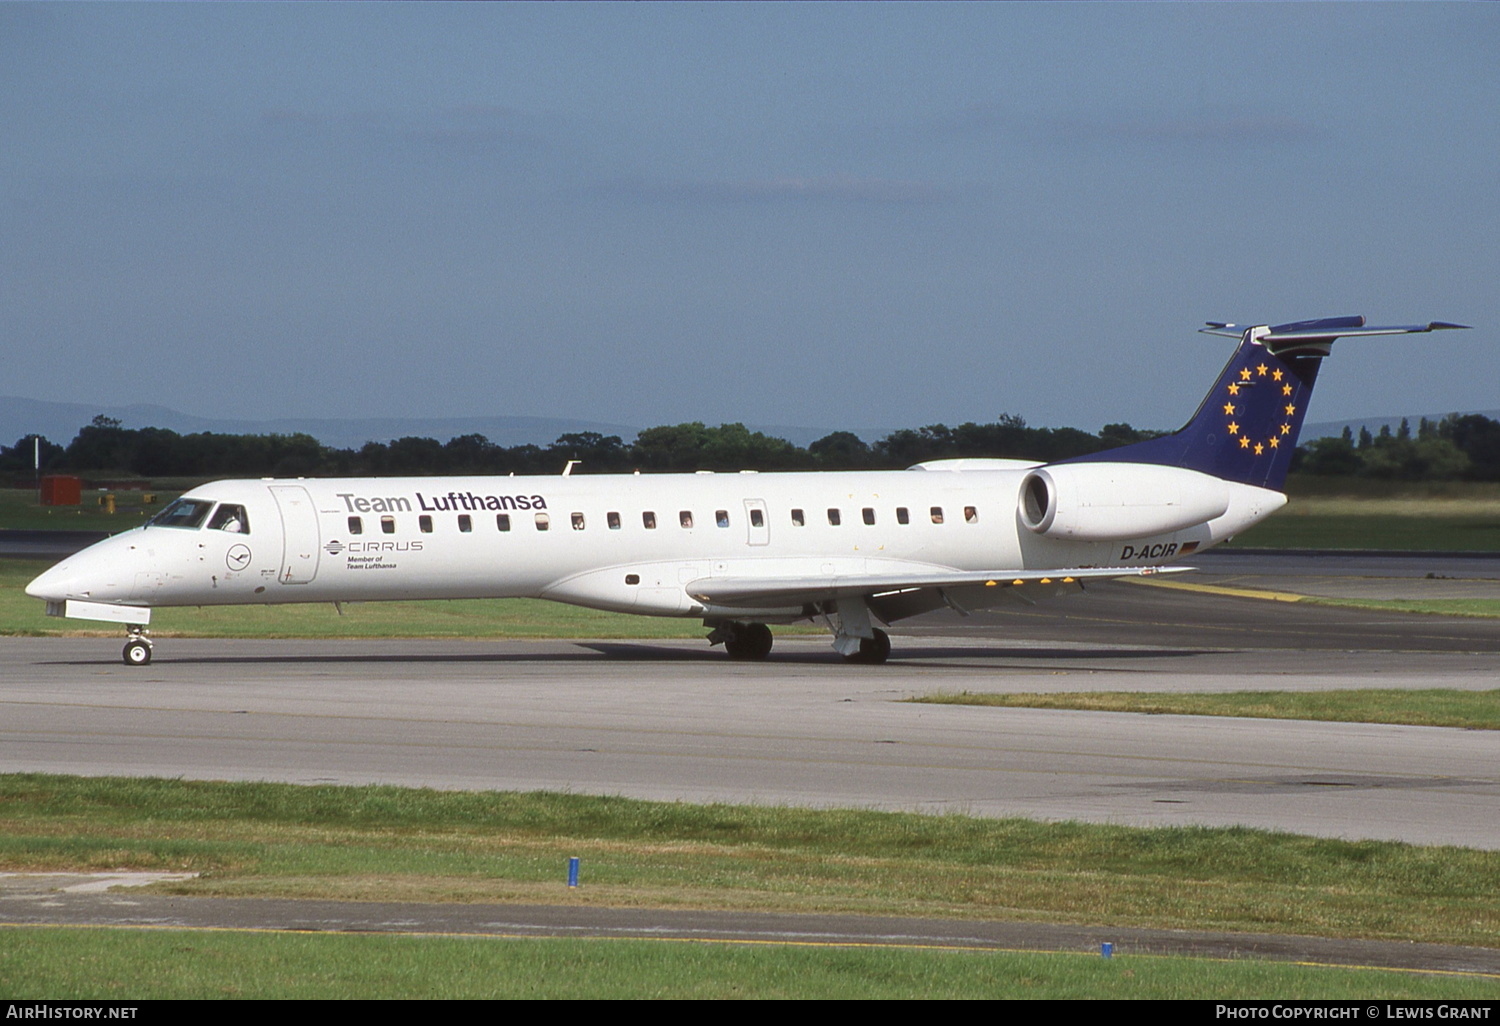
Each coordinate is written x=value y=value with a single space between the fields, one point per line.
x=738 y=551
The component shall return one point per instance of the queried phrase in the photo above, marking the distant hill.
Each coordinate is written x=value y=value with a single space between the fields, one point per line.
x=59 y=422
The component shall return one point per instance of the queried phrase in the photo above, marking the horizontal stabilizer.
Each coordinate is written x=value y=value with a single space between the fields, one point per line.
x=1300 y=333
x=1326 y=329
x=1246 y=428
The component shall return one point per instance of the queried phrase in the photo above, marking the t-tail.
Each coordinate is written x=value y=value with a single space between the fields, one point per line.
x=1246 y=429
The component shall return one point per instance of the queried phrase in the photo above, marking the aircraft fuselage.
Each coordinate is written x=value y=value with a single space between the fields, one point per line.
x=738 y=550
x=630 y=543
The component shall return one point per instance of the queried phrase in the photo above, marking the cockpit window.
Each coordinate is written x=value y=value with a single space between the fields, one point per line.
x=183 y=513
x=231 y=518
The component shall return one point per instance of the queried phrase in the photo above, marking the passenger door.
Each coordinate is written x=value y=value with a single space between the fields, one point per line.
x=299 y=534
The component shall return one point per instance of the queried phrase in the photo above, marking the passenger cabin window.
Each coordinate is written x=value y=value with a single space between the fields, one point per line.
x=798 y=520
x=424 y=523
x=937 y=514
x=502 y=521
x=230 y=517
x=971 y=514
x=356 y=525
x=903 y=515
x=721 y=517
x=685 y=518
x=613 y=520
x=543 y=522
x=757 y=518
x=387 y=525
x=868 y=514
x=833 y=517
x=577 y=521
x=648 y=520
x=465 y=523
x=183 y=513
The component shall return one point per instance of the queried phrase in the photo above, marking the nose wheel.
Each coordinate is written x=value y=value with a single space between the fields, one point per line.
x=137 y=649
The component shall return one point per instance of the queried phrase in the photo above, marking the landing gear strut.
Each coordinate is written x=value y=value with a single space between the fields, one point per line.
x=138 y=648
x=854 y=636
x=751 y=641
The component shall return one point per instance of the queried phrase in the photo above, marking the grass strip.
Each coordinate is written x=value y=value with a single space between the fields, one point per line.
x=1364 y=513
x=172 y=964
x=1433 y=707
x=1445 y=533
x=1369 y=524
x=388 y=843
x=1436 y=607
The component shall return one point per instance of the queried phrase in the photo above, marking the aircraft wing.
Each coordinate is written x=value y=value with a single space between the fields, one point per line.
x=759 y=592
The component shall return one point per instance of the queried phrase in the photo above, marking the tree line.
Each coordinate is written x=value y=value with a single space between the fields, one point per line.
x=1457 y=447
x=104 y=447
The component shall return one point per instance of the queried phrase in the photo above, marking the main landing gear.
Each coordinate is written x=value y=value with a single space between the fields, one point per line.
x=750 y=641
x=854 y=636
x=872 y=651
x=138 y=648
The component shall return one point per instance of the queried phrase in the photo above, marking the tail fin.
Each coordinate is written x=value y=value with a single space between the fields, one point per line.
x=1246 y=429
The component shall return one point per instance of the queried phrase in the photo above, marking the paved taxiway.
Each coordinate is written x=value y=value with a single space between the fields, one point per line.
x=81 y=900
x=674 y=720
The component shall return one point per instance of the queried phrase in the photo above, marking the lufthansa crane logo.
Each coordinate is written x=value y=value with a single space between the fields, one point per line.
x=238 y=557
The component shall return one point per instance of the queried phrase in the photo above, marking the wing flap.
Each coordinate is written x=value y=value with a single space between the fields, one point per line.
x=785 y=591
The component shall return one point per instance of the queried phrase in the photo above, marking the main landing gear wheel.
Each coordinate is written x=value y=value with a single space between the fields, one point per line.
x=872 y=651
x=751 y=641
x=137 y=652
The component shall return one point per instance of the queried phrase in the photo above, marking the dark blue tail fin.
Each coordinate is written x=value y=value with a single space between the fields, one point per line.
x=1246 y=429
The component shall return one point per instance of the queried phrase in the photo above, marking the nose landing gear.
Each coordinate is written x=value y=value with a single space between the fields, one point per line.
x=138 y=648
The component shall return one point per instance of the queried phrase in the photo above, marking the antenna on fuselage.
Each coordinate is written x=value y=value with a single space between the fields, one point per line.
x=568 y=470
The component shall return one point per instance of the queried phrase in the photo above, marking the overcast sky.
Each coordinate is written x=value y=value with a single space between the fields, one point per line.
x=846 y=215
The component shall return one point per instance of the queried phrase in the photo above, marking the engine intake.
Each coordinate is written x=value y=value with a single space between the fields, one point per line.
x=1112 y=501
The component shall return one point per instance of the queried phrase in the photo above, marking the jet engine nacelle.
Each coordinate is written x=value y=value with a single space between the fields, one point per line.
x=1112 y=501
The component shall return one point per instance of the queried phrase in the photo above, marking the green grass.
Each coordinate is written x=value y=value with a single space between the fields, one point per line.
x=1307 y=486
x=1433 y=607
x=1312 y=528
x=19 y=510
x=391 y=844
x=1353 y=513
x=124 y=965
x=1437 y=707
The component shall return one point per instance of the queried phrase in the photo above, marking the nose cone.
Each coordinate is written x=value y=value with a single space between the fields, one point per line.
x=59 y=583
x=100 y=573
